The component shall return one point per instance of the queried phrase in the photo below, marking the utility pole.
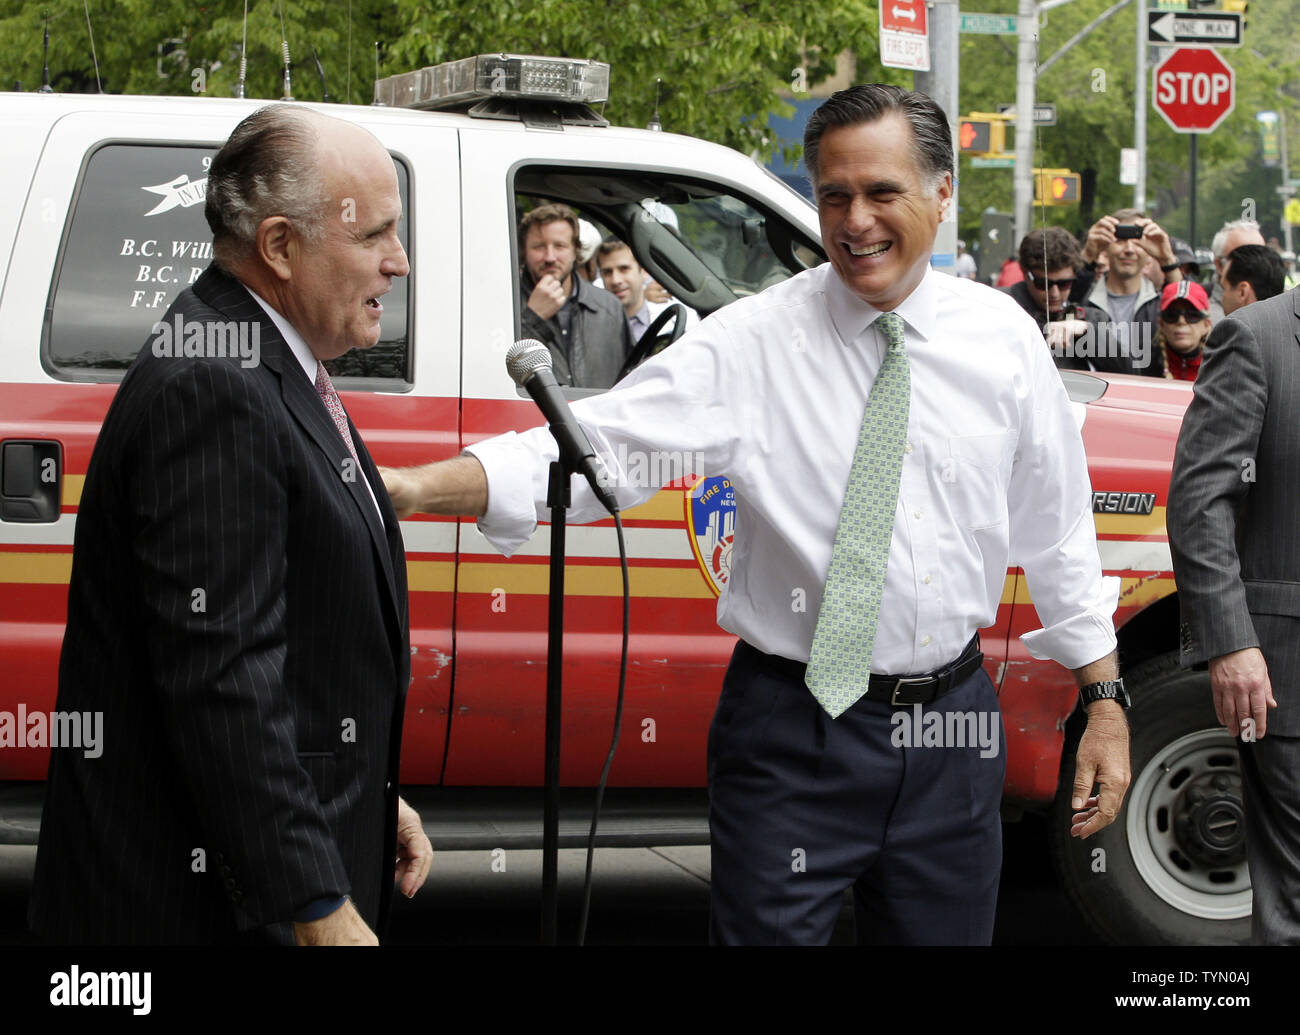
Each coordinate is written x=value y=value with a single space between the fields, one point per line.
x=1286 y=179
x=1140 y=112
x=941 y=85
x=1026 y=81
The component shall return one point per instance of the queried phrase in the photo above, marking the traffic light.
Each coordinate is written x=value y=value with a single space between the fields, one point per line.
x=1239 y=6
x=1056 y=187
x=981 y=137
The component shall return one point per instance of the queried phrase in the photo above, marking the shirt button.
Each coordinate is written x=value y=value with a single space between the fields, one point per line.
x=916 y=514
x=925 y=641
x=927 y=580
x=907 y=448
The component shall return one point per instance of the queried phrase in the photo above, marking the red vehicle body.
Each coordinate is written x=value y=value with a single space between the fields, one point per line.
x=473 y=742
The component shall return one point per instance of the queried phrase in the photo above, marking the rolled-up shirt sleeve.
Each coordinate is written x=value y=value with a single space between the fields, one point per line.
x=1053 y=535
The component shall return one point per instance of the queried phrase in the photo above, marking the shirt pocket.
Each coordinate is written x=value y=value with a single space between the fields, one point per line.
x=975 y=475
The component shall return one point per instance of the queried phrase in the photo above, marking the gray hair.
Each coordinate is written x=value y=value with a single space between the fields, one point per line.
x=268 y=167
x=870 y=102
x=1221 y=238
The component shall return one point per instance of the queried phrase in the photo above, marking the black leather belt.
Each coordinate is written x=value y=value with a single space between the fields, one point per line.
x=899 y=691
x=906 y=690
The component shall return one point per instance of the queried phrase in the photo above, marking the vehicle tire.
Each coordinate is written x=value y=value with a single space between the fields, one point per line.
x=1171 y=869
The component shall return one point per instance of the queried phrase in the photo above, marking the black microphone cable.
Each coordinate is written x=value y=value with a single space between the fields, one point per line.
x=618 y=728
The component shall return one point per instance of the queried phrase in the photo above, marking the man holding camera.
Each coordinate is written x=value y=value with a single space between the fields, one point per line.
x=1131 y=301
x=1077 y=333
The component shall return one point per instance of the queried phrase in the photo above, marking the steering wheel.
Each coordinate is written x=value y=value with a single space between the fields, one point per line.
x=645 y=348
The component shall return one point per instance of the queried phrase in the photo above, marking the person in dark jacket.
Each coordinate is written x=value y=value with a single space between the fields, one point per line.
x=582 y=325
x=1078 y=334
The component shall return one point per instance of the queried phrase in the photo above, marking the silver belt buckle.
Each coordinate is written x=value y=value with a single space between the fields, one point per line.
x=893 y=697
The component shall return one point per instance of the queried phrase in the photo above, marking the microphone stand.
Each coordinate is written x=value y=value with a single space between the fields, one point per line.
x=559 y=499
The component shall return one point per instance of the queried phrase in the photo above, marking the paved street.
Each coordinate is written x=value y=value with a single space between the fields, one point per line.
x=640 y=896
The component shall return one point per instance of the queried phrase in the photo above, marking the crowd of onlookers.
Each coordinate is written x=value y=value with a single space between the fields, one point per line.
x=1130 y=298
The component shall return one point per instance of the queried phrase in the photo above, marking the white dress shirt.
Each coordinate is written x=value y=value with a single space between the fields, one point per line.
x=307 y=360
x=771 y=391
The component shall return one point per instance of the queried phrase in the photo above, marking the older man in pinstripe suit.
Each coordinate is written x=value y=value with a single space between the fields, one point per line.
x=1234 y=532
x=237 y=608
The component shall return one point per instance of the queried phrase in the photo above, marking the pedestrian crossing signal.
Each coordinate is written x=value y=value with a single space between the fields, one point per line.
x=1056 y=187
x=975 y=137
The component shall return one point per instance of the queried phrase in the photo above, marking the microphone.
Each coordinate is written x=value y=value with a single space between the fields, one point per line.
x=529 y=364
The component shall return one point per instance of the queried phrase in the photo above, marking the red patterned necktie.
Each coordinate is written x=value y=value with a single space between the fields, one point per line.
x=325 y=389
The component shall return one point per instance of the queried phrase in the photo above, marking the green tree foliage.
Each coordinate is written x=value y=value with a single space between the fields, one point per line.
x=725 y=66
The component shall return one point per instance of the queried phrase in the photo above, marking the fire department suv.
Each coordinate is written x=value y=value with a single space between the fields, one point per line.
x=103 y=226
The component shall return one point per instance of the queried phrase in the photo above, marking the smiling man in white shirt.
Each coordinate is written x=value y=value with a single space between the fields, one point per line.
x=896 y=439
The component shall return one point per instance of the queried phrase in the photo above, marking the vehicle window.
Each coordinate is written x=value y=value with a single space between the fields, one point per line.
x=705 y=245
x=137 y=238
x=729 y=236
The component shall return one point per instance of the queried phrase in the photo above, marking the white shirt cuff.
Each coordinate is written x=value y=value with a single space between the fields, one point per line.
x=1082 y=638
x=511 y=516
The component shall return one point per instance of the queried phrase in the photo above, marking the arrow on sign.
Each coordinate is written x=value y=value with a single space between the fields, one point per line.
x=1163 y=26
x=904 y=12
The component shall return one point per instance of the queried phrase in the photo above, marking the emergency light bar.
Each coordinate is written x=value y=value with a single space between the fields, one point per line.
x=454 y=84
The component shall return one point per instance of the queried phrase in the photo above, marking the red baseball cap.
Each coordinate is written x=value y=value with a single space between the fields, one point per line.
x=1186 y=291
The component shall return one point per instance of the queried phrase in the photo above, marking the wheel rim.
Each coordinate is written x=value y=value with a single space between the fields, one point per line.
x=1185 y=827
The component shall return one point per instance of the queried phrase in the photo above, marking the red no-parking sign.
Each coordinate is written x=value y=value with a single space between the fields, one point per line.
x=1194 y=89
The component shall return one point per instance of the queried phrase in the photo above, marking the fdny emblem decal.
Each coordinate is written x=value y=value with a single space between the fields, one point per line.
x=711 y=522
x=180 y=191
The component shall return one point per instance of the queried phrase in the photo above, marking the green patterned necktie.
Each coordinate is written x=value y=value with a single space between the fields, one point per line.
x=846 y=626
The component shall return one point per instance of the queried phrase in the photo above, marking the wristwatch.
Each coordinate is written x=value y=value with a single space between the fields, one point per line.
x=1107 y=690
x=1170 y=268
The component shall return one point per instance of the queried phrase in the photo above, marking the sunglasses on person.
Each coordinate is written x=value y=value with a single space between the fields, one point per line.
x=1182 y=315
x=1043 y=284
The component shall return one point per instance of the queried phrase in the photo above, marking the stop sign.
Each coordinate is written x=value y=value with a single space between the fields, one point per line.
x=1194 y=89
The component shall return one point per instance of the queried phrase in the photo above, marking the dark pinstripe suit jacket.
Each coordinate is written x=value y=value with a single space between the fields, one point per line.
x=238 y=613
x=1234 y=500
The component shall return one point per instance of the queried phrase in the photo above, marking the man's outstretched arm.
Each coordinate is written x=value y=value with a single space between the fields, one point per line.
x=457 y=486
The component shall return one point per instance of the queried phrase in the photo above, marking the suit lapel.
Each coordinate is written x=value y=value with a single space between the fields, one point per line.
x=226 y=294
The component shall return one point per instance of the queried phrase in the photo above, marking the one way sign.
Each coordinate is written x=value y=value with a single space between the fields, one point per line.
x=1194 y=28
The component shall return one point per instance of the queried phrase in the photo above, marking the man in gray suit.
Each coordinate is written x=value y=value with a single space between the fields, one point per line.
x=1232 y=520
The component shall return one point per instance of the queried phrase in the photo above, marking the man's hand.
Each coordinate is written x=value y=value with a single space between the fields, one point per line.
x=1100 y=234
x=1243 y=692
x=1102 y=759
x=403 y=489
x=414 y=852
x=1061 y=333
x=1155 y=242
x=548 y=297
x=654 y=292
x=344 y=926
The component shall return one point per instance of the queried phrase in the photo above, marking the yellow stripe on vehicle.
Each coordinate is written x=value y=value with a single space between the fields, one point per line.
x=665 y=505
x=1132 y=524
x=588 y=580
x=72 y=486
x=45 y=568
